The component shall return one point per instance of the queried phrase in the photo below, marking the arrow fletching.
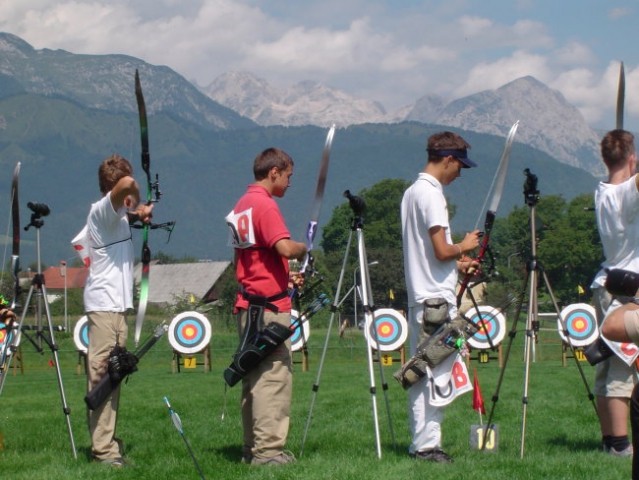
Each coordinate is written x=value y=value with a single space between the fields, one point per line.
x=175 y=418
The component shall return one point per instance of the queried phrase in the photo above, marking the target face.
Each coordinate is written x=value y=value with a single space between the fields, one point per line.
x=581 y=324
x=301 y=334
x=6 y=335
x=81 y=334
x=189 y=332
x=492 y=326
x=391 y=330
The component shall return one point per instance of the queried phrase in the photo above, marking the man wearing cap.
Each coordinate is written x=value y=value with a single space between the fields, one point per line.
x=431 y=265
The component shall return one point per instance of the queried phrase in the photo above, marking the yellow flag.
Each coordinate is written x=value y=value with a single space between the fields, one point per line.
x=391 y=294
x=580 y=290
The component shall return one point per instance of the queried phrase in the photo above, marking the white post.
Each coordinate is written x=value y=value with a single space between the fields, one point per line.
x=63 y=274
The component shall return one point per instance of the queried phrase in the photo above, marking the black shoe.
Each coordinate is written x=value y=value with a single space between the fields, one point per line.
x=436 y=455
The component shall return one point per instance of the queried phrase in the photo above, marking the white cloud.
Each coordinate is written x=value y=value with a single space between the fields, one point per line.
x=492 y=75
x=385 y=50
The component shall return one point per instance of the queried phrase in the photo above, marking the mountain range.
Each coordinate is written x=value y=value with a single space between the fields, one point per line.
x=548 y=122
x=62 y=113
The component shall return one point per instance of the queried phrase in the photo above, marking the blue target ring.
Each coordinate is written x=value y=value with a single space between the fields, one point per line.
x=581 y=324
x=388 y=331
x=189 y=332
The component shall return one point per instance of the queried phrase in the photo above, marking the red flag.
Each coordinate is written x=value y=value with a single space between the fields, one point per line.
x=478 y=401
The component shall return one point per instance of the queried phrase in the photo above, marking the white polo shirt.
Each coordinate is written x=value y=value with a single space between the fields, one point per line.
x=423 y=207
x=109 y=287
x=617 y=211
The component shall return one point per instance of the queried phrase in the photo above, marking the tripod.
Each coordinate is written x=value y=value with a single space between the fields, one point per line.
x=38 y=287
x=357 y=205
x=535 y=273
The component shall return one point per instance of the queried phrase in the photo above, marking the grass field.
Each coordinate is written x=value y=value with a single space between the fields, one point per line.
x=561 y=437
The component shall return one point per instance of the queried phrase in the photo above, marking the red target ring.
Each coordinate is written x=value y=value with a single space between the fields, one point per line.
x=580 y=321
x=388 y=330
x=301 y=333
x=189 y=332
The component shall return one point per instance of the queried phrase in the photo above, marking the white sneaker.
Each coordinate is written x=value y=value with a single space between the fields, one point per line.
x=626 y=452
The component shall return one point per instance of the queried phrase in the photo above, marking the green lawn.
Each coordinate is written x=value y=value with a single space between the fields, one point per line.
x=561 y=440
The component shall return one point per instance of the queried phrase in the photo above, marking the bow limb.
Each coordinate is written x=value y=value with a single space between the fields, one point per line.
x=15 y=252
x=621 y=94
x=317 y=201
x=146 y=251
x=494 y=194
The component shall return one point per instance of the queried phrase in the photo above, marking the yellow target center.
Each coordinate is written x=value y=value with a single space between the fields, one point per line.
x=189 y=332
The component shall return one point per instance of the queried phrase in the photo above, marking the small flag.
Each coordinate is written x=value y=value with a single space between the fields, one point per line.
x=391 y=294
x=478 y=401
x=580 y=290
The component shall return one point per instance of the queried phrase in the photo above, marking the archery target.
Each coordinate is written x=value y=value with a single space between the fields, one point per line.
x=81 y=334
x=189 y=332
x=390 y=327
x=493 y=322
x=581 y=324
x=6 y=335
x=300 y=335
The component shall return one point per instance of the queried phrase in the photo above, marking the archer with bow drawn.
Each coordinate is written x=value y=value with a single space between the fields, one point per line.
x=263 y=247
x=108 y=292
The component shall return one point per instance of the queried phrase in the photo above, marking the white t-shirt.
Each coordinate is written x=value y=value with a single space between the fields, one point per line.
x=109 y=287
x=423 y=207
x=617 y=210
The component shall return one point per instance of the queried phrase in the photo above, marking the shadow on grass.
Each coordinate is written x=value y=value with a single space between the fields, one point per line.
x=572 y=444
x=232 y=453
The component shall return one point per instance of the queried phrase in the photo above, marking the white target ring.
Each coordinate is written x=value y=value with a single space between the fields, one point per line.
x=301 y=333
x=389 y=332
x=189 y=332
x=81 y=334
x=581 y=324
x=492 y=326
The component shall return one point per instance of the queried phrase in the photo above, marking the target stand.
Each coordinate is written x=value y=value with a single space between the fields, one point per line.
x=388 y=332
x=81 y=340
x=492 y=325
x=581 y=325
x=299 y=341
x=190 y=336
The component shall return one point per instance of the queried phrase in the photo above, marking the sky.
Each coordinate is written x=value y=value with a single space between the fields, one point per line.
x=391 y=51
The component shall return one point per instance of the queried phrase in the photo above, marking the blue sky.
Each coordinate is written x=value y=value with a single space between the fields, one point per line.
x=392 y=51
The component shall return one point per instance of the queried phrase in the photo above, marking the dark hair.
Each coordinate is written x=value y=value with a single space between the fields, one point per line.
x=268 y=159
x=444 y=141
x=616 y=146
x=111 y=171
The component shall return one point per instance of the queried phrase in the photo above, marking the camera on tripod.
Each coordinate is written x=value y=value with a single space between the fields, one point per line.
x=39 y=209
x=531 y=194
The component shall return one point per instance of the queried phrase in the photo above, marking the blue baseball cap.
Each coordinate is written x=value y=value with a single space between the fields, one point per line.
x=460 y=154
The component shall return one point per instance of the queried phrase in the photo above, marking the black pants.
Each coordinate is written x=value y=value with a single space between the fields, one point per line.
x=634 y=425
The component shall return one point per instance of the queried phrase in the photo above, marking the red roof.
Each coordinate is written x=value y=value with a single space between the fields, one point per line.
x=76 y=277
